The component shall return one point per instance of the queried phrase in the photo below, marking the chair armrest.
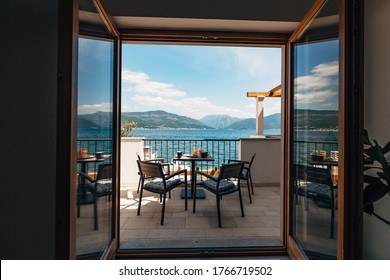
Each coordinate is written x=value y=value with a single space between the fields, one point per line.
x=166 y=165
x=87 y=177
x=237 y=161
x=206 y=175
x=151 y=160
x=159 y=160
x=176 y=173
x=155 y=160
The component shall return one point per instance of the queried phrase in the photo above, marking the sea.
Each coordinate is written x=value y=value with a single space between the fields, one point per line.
x=302 y=135
x=305 y=141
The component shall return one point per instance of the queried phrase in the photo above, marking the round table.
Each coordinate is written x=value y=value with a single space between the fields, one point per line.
x=193 y=159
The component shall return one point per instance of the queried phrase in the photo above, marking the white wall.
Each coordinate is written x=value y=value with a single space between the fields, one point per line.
x=28 y=114
x=130 y=147
x=266 y=167
x=377 y=113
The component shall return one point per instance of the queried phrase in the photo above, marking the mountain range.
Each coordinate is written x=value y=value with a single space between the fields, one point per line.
x=151 y=120
x=314 y=119
x=160 y=120
x=308 y=119
x=219 y=121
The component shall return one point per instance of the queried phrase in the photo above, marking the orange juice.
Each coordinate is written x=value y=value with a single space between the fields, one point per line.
x=323 y=154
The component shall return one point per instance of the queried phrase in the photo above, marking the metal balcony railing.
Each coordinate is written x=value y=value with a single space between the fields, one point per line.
x=94 y=145
x=303 y=149
x=220 y=149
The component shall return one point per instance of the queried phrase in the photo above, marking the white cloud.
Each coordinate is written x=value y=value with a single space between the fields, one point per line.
x=322 y=75
x=312 y=82
x=196 y=107
x=141 y=83
x=315 y=96
x=92 y=108
x=326 y=69
x=148 y=94
x=134 y=77
x=157 y=88
x=319 y=89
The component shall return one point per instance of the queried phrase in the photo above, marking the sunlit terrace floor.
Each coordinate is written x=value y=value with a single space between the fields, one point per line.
x=185 y=229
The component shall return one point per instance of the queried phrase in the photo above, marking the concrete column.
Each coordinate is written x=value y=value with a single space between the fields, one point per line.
x=259 y=117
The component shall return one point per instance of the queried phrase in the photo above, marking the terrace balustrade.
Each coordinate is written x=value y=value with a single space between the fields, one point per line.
x=220 y=149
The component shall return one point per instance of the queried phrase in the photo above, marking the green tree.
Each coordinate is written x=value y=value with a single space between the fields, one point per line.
x=127 y=128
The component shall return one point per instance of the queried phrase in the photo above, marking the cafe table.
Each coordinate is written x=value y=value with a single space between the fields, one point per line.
x=192 y=160
x=329 y=162
x=85 y=159
x=326 y=162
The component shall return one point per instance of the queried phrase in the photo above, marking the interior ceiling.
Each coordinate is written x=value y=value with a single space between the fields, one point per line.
x=275 y=16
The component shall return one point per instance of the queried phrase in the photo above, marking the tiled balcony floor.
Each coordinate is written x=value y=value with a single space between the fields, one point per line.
x=185 y=229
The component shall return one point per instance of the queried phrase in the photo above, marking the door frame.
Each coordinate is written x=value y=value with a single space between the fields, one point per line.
x=204 y=38
x=65 y=231
x=351 y=103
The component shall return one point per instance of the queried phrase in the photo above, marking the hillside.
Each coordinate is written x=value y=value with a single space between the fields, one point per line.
x=149 y=119
x=314 y=119
x=95 y=120
x=219 y=121
x=273 y=121
x=305 y=119
x=161 y=119
x=243 y=124
x=270 y=122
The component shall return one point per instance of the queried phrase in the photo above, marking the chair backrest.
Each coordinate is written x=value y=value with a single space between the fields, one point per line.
x=319 y=175
x=104 y=172
x=253 y=157
x=150 y=169
x=232 y=170
x=299 y=172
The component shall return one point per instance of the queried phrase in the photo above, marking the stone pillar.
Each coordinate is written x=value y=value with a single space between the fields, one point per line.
x=259 y=116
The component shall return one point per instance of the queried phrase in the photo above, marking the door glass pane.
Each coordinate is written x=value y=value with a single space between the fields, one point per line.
x=94 y=146
x=315 y=135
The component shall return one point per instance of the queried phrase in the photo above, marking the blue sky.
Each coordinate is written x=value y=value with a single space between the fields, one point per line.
x=198 y=80
x=94 y=76
x=317 y=69
x=195 y=81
